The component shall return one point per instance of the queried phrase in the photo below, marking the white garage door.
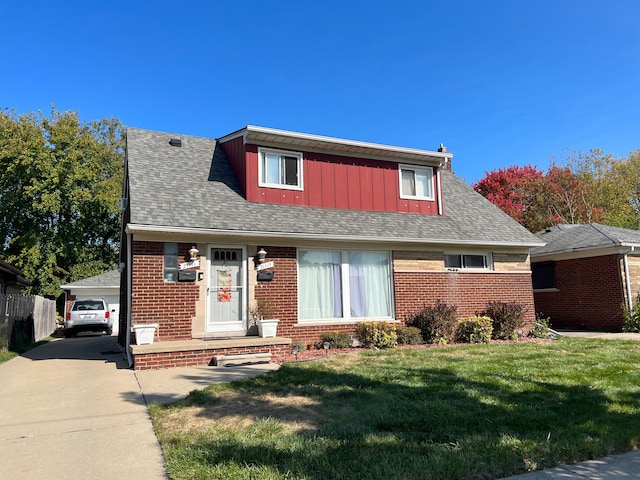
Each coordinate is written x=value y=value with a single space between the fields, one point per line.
x=114 y=304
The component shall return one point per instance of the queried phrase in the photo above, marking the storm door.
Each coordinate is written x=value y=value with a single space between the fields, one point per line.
x=226 y=291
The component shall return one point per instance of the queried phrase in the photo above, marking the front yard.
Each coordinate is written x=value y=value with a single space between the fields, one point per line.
x=461 y=412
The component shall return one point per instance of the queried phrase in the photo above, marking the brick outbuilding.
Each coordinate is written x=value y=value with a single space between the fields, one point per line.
x=586 y=275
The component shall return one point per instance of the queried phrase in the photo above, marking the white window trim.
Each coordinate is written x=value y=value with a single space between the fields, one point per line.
x=346 y=289
x=288 y=153
x=488 y=261
x=428 y=170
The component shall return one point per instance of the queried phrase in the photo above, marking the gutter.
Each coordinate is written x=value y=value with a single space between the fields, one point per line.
x=132 y=228
x=627 y=277
x=127 y=335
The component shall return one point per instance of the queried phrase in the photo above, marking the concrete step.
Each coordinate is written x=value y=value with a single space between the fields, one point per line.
x=241 y=359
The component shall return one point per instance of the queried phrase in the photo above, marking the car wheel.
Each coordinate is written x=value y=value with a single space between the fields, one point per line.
x=69 y=333
x=109 y=331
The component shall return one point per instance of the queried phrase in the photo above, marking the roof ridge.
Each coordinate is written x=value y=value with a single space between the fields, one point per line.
x=595 y=226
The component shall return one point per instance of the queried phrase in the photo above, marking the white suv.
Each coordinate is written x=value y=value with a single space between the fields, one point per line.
x=89 y=316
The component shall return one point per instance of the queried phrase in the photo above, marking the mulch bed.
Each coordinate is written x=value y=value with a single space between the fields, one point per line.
x=306 y=355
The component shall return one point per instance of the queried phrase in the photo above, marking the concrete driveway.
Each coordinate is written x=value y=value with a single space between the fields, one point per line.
x=71 y=409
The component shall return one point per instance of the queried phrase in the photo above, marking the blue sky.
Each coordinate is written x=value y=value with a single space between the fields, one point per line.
x=499 y=82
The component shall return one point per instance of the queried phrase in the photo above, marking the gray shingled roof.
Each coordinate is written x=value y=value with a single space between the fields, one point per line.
x=107 y=279
x=570 y=238
x=193 y=186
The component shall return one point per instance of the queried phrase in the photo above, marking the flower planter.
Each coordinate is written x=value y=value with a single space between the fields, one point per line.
x=145 y=333
x=268 y=328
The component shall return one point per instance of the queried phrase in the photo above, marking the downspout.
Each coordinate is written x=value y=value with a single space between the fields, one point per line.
x=129 y=274
x=627 y=278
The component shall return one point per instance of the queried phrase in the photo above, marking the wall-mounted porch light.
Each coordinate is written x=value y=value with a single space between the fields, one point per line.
x=261 y=255
x=193 y=252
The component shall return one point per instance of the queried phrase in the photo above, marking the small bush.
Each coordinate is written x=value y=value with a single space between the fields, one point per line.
x=336 y=338
x=631 y=316
x=541 y=327
x=409 y=336
x=507 y=318
x=437 y=324
x=377 y=334
x=474 y=330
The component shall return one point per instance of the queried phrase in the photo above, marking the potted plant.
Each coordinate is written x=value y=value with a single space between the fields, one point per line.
x=262 y=314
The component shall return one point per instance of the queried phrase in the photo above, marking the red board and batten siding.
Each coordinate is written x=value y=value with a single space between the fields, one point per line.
x=330 y=181
x=234 y=149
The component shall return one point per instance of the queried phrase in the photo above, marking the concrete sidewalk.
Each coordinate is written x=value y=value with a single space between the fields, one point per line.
x=71 y=409
x=616 y=467
x=170 y=385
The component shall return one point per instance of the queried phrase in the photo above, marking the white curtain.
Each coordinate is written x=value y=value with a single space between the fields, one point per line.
x=271 y=168
x=369 y=284
x=423 y=184
x=320 y=284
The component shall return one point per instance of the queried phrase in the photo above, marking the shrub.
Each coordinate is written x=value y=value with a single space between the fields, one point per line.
x=507 y=318
x=409 y=336
x=377 y=334
x=541 y=327
x=474 y=329
x=437 y=324
x=631 y=316
x=336 y=338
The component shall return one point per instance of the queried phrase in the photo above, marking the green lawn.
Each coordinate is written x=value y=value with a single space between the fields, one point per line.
x=460 y=412
x=6 y=355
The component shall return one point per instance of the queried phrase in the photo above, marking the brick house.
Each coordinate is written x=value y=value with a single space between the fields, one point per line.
x=347 y=231
x=585 y=274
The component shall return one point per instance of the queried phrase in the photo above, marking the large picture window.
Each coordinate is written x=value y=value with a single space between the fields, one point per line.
x=343 y=285
x=280 y=169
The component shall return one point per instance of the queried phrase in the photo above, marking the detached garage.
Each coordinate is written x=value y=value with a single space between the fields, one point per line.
x=105 y=285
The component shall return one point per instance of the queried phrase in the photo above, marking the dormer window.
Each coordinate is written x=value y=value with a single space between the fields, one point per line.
x=280 y=169
x=416 y=183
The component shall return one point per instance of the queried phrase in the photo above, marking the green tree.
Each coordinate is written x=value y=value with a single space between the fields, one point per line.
x=626 y=174
x=60 y=185
x=610 y=183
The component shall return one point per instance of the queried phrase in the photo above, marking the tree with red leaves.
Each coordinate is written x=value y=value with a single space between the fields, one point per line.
x=515 y=190
x=538 y=200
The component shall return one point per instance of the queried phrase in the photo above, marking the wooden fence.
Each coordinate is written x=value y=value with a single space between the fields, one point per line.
x=25 y=319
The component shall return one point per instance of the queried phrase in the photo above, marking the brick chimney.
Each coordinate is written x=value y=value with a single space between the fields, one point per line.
x=447 y=164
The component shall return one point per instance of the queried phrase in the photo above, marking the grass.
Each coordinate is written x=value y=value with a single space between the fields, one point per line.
x=6 y=355
x=461 y=412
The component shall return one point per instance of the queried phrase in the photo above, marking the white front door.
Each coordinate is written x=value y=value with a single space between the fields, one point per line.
x=227 y=290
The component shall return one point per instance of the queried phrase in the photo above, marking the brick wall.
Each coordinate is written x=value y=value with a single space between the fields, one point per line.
x=193 y=358
x=589 y=294
x=470 y=292
x=282 y=292
x=69 y=302
x=172 y=305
